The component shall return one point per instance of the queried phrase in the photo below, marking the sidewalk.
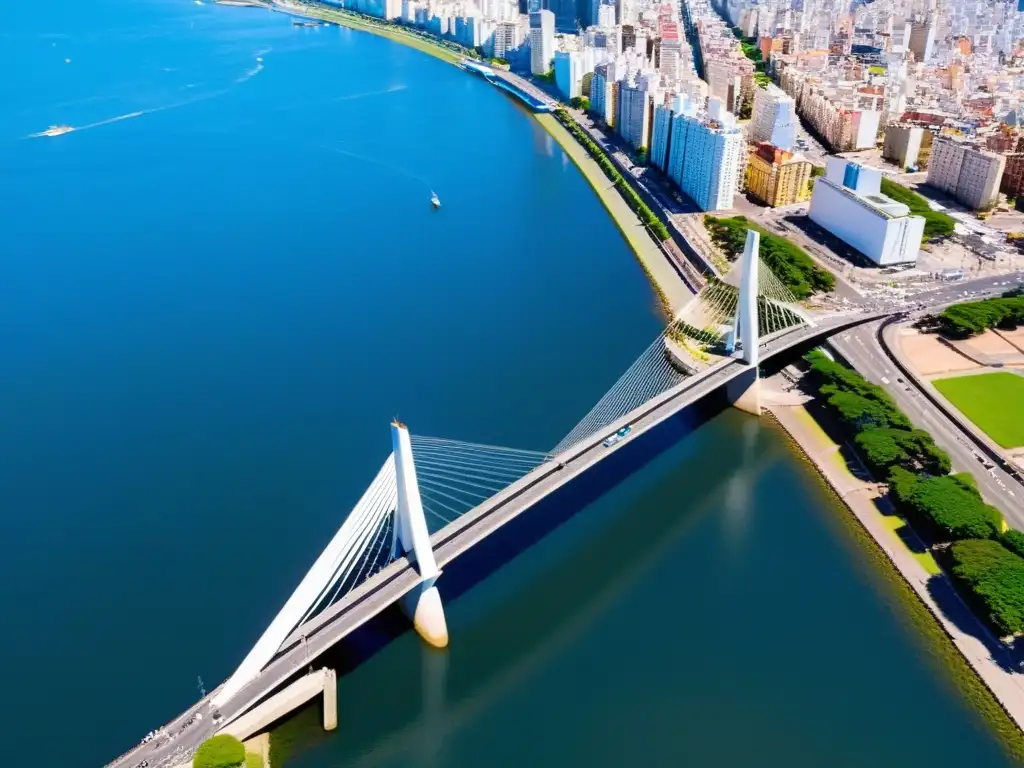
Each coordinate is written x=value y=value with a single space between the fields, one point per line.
x=974 y=642
x=667 y=282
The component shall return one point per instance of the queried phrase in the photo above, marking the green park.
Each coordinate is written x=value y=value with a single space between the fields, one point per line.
x=993 y=401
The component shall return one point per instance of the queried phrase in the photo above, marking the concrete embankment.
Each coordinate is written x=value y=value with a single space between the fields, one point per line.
x=671 y=288
x=990 y=681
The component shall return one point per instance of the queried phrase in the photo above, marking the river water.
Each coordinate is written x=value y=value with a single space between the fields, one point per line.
x=218 y=291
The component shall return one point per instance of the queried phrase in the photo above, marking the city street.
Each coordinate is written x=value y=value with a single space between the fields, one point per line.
x=861 y=349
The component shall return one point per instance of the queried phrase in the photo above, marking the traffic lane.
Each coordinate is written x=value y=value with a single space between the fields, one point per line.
x=874 y=365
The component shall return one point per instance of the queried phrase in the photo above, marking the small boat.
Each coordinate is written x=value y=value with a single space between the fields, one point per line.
x=435 y=200
x=57 y=130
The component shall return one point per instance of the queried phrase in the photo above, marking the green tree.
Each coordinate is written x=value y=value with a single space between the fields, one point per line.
x=950 y=508
x=994 y=578
x=1014 y=541
x=223 y=751
x=641 y=156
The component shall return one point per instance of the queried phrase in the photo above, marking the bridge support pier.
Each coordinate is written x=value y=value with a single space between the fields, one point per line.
x=423 y=604
x=745 y=390
x=330 y=699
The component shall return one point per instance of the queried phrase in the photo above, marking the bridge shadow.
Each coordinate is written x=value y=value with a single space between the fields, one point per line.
x=526 y=530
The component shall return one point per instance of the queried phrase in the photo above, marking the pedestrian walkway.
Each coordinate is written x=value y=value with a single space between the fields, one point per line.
x=860 y=497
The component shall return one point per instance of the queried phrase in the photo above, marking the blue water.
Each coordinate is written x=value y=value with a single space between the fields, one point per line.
x=210 y=313
x=214 y=296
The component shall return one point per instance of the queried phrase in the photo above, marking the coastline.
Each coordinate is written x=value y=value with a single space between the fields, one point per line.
x=670 y=289
x=376 y=27
x=996 y=692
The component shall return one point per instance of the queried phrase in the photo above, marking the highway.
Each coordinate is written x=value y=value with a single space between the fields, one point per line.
x=386 y=587
x=861 y=349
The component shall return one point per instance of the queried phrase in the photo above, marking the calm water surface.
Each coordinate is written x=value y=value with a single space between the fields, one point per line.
x=216 y=293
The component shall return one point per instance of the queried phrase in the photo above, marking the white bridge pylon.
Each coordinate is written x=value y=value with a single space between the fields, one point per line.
x=391 y=504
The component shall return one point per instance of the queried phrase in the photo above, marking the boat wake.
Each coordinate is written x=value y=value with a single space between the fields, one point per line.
x=250 y=74
x=130 y=115
x=367 y=94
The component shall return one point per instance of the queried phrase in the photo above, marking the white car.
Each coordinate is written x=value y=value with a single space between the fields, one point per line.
x=618 y=436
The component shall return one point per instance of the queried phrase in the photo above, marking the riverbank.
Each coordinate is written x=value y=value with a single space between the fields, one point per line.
x=375 y=27
x=963 y=646
x=671 y=289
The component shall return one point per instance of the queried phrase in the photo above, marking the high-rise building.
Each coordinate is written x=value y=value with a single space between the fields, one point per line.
x=774 y=118
x=671 y=51
x=636 y=108
x=569 y=72
x=683 y=116
x=604 y=93
x=508 y=36
x=542 y=41
x=907 y=145
x=661 y=132
x=776 y=177
x=922 y=39
x=970 y=174
x=605 y=15
x=712 y=158
x=565 y=14
x=848 y=202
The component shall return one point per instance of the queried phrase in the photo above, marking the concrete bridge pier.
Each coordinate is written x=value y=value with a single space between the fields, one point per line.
x=330 y=700
x=411 y=537
x=745 y=390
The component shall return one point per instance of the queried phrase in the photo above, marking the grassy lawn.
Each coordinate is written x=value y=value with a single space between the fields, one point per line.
x=993 y=401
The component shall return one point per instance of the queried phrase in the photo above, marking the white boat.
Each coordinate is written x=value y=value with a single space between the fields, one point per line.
x=435 y=200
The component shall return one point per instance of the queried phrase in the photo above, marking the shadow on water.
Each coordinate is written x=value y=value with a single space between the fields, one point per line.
x=624 y=546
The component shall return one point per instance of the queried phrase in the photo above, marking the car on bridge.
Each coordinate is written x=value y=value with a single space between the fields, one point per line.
x=618 y=436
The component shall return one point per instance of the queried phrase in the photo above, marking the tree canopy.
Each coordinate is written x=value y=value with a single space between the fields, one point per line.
x=995 y=578
x=949 y=506
x=936 y=223
x=962 y=320
x=788 y=261
x=222 y=751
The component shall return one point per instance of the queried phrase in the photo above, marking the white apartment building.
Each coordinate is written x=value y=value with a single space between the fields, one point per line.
x=508 y=36
x=848 y=202
x=604 y=92
x=970 y=174
x=774 y=118
x=636 y=108
x=710 y=166
x=684 y=113
x=542 y=41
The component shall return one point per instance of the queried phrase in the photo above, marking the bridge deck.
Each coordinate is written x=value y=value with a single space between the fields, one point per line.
x=389 y=585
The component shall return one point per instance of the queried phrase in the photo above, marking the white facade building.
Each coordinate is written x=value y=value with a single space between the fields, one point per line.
x=774 y=118
x=636 y=108
x=848 y=202
x=710 y=169
x=542 y=41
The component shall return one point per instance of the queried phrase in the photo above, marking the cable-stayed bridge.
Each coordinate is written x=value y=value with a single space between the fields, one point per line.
x=433 y=499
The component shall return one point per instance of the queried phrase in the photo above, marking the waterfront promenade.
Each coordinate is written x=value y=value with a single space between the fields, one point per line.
x=669 y=284
x=991 y=661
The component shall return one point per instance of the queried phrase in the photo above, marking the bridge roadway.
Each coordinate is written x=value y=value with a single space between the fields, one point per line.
x=386 y=587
